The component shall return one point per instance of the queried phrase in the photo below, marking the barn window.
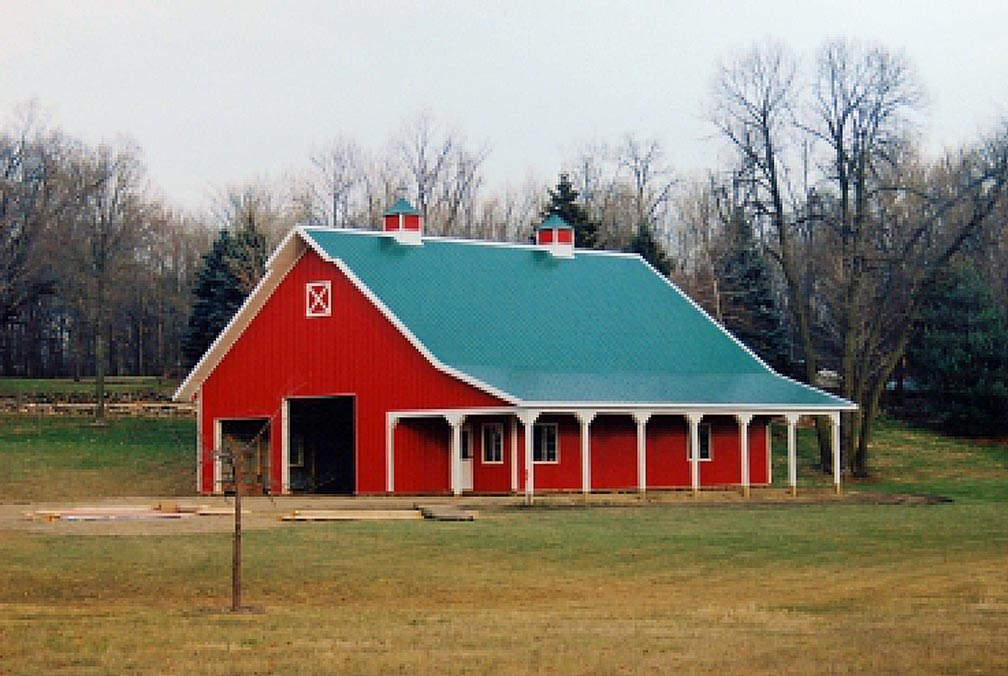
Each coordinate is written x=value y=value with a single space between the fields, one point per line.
x=705 y=443
x=493 y=444
x=545 y=445
x=318 y=299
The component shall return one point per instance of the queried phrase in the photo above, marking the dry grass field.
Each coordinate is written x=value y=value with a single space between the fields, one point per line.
x=644 y=587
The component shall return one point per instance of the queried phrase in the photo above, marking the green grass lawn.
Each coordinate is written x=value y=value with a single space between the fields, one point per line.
x=66 y=457
x=10 y=387
x=759 y=588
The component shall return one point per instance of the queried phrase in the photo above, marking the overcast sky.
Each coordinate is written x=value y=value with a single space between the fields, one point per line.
x=217 y=93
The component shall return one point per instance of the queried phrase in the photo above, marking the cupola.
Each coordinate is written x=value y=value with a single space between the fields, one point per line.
x=404 y=222
x=556 y=236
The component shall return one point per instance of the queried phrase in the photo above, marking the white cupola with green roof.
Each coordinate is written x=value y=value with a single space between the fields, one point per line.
x=556 y=236
x=404 y=223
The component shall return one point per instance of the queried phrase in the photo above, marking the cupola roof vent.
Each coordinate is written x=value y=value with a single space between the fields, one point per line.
x=556 y=236
x=404 y=222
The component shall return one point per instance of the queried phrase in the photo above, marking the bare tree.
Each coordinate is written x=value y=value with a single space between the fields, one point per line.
x=426 y=154
x=339 y=172
x=755 y=102
x=864 y=97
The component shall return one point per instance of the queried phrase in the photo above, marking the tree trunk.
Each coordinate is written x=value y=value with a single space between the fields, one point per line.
x=99 y=347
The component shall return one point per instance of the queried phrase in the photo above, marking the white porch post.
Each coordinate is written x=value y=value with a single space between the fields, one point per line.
x=514 y=455
x=694 y=426
x=390 y=424
x=585 y=418
x=642 y=417
x=792 y=444
x=835 y=419
x=455 y=420
x=743 y=422
x=285 y=488
x=528 y=418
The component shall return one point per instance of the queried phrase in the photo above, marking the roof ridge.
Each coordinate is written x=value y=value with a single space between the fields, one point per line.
x=527 y=246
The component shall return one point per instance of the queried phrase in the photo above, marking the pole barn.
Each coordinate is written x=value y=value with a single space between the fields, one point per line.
x=391 y=362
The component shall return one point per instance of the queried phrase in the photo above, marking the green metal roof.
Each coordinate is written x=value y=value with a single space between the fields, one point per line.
x=401 y=206
x=599 y=327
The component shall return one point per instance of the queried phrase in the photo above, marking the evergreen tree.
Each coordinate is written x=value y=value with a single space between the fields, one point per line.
x=960 y=356
x=748 y=306
x=645 y=244
x=563 y=202
x=229 y=272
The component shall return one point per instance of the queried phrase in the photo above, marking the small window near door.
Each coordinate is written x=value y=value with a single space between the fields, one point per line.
x=493 y=444
x=545 y=443
x=466 y=444
x=705 y=444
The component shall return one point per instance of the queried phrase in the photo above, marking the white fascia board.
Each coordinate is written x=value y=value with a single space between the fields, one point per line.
x=620 y=408
x=243 y=317
x=440 y=412
x=665 y=407
x=404 y=330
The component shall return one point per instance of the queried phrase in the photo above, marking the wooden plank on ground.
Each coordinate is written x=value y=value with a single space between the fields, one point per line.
x=351 y=515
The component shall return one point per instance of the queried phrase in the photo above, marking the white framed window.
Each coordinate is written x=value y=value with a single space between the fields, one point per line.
x=545 y=443
x=493 y=444
x=318 y=299
x=705 y=444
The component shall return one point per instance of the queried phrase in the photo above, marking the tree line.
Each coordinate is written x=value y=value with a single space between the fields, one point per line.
x=823 y=242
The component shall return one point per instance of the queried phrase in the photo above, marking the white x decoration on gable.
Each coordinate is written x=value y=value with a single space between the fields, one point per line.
x=318 y=299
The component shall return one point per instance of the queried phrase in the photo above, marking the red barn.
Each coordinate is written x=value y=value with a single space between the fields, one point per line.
x=390 y=362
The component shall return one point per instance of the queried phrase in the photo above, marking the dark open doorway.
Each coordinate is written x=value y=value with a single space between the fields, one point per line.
x=322 y=443
x=248 y=441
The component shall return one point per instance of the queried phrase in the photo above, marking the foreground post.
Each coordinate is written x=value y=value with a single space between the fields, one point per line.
x=236 y=544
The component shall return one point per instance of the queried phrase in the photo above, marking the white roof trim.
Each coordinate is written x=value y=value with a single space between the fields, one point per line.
x=623 y=406
x=469 y=242
x=239 y=322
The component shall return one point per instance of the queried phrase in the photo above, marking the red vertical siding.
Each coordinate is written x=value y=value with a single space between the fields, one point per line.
x=613 y=452
x=565 y=474
x=491 y=477
x=422 y=458
x=667 y=460
x=354 y=351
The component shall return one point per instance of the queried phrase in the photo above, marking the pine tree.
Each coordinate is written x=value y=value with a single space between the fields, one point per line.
x=749 y=309
x=645 y=244
x=960 y=357
x=563 y=202
x=230 y=271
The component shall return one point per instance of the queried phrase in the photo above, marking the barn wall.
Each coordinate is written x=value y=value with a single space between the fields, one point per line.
x=354 y=351
x=422 y=459
x=565 y=474
x=491 y=478
x=667 y=459
x=613 y=452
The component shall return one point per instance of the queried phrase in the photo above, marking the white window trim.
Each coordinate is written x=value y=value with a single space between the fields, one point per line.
x=483 y=446
x=705 y=429
x=556 y=432
x=312 y=301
